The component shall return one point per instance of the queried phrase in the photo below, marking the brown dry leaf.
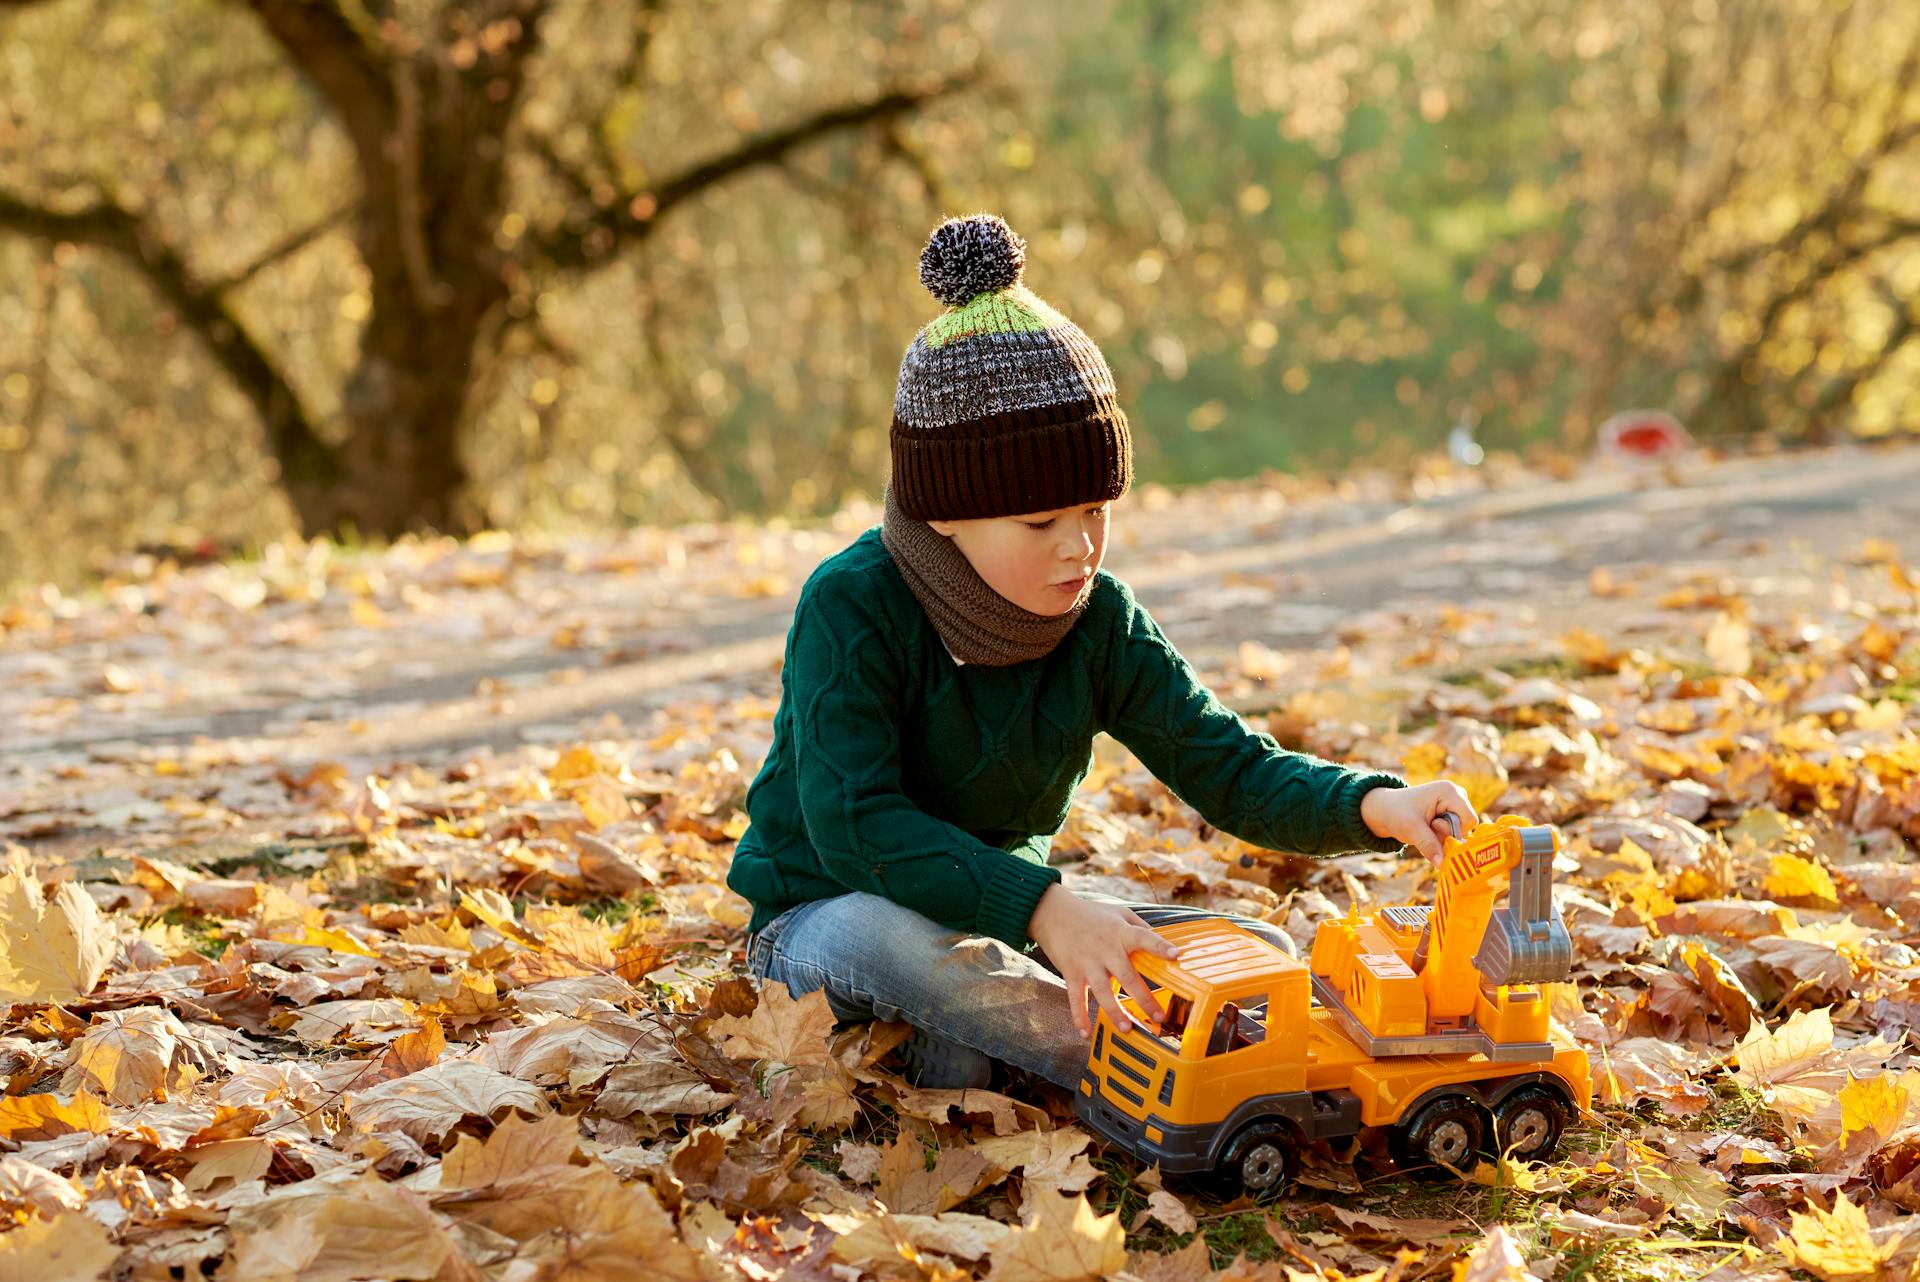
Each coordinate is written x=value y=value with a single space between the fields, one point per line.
x=411 y=1052
x=516 y=1148
x=26 y=1186
x=57 y=947
x=827 y=1095
x=70 y=1248
x=1649 y=1068
x=1796 y=1069
x=1168 y=1209
x=1496 y=1258
x=577 y=1052
x=1009 y=1116
x=658 y=1086
x=427 y=1104
x=350 y=1017
x=1062 y=1241
x=1729 y=918
x=580 y=1224
x=780 y=1029
x=1839 y=1245
x=1392 y=1228
x=367 y=1228
x=1049 y=1161
x=1696 y=1193
x=874 y=1242
x=126 y=1055
x=1191 y=1263
x=909 y=1187
x=42 y=1117
x=239 y=1161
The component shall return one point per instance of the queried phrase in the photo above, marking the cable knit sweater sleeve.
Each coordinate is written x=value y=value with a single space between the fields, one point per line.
x=847 y=676
x=1241 y=782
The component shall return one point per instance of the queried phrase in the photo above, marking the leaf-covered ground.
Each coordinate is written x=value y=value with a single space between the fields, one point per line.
x=364 y=916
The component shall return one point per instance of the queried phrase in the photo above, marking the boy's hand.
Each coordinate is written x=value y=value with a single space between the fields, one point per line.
x=1416 y=815
x=1089 y=942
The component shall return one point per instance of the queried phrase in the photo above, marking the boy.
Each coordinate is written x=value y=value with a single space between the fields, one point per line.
x=945 y=676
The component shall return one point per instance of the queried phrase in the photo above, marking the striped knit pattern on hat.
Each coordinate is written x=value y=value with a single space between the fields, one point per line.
x=1004 y=406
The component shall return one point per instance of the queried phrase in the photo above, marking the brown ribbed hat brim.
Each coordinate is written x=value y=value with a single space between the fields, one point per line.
x=1034 y=460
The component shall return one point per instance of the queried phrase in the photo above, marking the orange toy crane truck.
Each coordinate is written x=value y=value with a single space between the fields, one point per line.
x=1430 y=1021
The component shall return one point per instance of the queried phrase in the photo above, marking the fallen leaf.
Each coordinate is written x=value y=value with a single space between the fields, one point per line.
x=57 y=948
x=663 y=1086
x=516 y=1148
x=40 y=1117
x=1496 y=1258
x=1801 y=880
x=780 y=1029
x=69 y=1248
x=911 y=1187
x=427 y=1104
x=1062 y=1241
x=366 y=1228
x=1838 y=1245
x=126 y=1055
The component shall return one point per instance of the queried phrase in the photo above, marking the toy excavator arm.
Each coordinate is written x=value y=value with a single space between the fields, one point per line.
x=1467 y=943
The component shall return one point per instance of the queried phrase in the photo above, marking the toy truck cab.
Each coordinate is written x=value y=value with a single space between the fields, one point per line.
x=1231 y=1058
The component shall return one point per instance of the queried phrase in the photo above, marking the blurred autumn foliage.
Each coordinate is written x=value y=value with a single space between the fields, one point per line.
x=364 y=265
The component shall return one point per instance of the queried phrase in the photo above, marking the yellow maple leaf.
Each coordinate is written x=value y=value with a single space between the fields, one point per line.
x=58 y=946
x=1796 y=878
x=1063 y=1241
x=1877 y=1104
x=1838 y=1245
x=72 y=1248
x=41 y=1117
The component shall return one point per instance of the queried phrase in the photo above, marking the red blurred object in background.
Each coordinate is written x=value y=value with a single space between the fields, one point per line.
x=1643 y=434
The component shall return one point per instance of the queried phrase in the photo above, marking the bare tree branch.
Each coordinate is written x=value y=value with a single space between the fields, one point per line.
x=104 y=225
x=1899 y=335
x=634 y=218
x=282 y=249
x=344 y=64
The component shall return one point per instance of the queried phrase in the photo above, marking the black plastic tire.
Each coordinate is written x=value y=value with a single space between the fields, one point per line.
x=1260 y=1161
x=1445 y=1136
x=1529 y=1121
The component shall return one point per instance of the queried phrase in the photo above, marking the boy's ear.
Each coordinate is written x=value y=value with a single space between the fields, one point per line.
x=943 y=528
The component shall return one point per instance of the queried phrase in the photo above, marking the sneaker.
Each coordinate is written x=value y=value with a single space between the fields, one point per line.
x=936 y=1064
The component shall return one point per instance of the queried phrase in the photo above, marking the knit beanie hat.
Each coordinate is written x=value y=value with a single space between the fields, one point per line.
x=1003 y=406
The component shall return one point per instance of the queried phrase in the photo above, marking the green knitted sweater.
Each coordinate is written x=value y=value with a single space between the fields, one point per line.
x=898 y=772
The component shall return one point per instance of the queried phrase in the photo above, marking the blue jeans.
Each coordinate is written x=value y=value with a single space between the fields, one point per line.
x=875 y=959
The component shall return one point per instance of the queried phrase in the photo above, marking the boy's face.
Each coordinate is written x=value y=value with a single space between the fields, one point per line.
x=1043 y=562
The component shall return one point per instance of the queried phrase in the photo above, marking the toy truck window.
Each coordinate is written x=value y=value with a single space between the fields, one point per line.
x=1233 y=1029
x=1179 y=1010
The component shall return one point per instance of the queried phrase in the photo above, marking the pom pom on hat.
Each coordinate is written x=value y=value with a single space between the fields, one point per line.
x=967 y=257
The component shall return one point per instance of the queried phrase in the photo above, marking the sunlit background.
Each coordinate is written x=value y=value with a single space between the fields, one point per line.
x=360 y=266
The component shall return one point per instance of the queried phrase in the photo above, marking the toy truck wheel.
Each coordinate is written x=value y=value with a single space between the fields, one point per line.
x=1446 y=1135
x=1528 y=1123
x=1260 y=1161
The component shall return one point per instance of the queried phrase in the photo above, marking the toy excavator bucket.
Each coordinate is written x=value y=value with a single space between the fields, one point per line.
x=1526 y=942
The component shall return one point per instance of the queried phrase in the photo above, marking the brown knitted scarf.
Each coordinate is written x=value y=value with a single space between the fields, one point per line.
x=978 y=624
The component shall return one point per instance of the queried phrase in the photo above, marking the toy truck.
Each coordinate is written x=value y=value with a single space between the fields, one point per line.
x=1427 y=1020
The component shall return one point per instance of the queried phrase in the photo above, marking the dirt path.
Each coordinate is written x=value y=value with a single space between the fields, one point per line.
x=434 y=650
